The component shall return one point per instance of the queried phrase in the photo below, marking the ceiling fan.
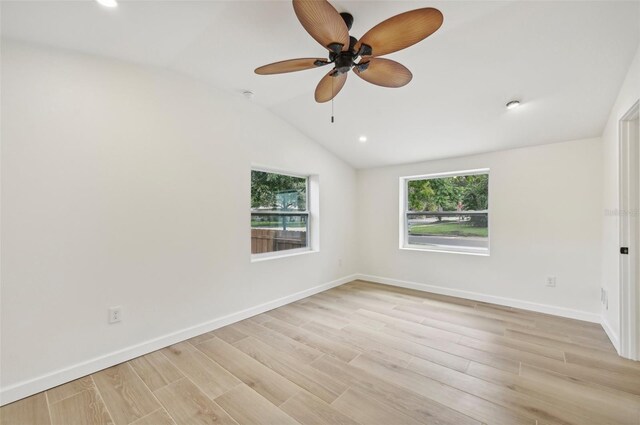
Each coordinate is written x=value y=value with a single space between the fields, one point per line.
x=331 y=29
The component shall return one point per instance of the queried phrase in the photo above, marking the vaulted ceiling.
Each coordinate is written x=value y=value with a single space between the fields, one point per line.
x=565 y=60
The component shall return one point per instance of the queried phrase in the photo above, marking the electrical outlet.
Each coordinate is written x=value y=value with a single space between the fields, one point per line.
x=551 y=281
x=340 y=262
x=115 y=314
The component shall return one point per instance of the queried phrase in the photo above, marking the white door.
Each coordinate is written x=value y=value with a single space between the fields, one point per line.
x=630 y=234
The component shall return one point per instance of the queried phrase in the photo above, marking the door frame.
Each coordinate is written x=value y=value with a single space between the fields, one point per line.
x=629 y=187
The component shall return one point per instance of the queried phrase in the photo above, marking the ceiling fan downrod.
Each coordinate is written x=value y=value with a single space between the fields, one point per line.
x=345 y=60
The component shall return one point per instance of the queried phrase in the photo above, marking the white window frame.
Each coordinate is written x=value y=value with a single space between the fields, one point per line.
x=404 y=204
x=312 y=239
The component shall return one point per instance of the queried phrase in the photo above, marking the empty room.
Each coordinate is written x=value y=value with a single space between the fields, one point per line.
x=319 y=212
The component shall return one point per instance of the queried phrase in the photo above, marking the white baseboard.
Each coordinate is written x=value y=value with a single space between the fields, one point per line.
x=32 y=386
x=509 y=302
x=613 y=336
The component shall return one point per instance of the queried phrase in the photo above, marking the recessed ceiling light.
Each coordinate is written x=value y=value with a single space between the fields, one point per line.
x=513 y=104
x=362 y=139
x=108 y=3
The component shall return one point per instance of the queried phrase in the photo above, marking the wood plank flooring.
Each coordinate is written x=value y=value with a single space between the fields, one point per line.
x=363 y=354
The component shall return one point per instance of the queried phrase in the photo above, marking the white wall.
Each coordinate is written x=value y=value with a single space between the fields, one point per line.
x=124 y=185
x=629 y=94
x=545 y=220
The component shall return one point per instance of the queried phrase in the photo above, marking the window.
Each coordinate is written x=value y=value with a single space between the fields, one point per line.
x=279 y=213
x=446 y=212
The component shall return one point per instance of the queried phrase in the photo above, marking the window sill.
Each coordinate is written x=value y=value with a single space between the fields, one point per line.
x=482 y=252
x=257 y=258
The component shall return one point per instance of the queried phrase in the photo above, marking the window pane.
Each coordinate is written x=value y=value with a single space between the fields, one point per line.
x=270 y=232
x=451 y=231
x=449 y=212
x=279 y=220
x=277 y=192
x=456 y=193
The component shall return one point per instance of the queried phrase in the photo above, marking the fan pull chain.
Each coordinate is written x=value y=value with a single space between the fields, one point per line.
x=333 y=94
x=331 y=111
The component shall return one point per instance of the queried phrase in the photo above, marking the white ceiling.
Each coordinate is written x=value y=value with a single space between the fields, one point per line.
x=564 y=59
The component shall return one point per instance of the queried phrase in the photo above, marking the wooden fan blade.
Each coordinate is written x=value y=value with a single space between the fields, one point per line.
x=322 y=22
x=291 y=65
x=330 y=86
x=401 y=31
x=385 y=73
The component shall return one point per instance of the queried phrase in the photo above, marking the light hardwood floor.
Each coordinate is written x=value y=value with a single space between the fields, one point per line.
x=363 y=354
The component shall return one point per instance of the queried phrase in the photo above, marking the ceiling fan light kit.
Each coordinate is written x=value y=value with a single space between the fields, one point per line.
x=346 y=53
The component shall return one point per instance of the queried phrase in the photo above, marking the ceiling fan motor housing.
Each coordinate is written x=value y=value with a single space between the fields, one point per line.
x=344 y=62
